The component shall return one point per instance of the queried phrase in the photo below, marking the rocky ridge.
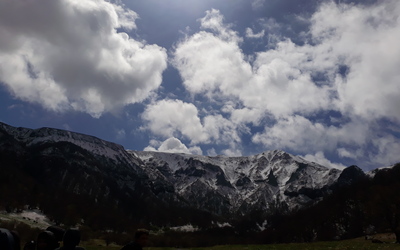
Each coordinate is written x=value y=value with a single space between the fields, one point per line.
x=154 y=181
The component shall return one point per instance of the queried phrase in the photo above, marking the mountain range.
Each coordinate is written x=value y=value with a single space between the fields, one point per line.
x=76 y=178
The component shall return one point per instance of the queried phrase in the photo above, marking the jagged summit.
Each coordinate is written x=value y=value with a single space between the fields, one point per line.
x=243 y=182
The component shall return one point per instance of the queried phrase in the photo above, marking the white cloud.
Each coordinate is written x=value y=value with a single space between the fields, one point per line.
x=213 y=63
x=173 y=118
x=296 y=133
x=290 y=86
x=232 y=152
x=344 y=152
x=387 y=151
x=222 y=130
x=366 y=38
x=282 y=86
x=251 y=34
x=212 y=152
x=281 y=80
x=68 y=54
x=300 y=134
x=209 y=62
x=170 y=118
x=319 y=158
x=273 y=31
x=255 y=4
x=213 y=20
x=247 y=115
x=174 y=145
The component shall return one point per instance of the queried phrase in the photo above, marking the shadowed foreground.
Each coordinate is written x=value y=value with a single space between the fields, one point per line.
x=357 y=244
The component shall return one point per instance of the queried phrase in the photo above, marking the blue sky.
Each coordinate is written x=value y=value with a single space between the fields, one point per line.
x=319 y=79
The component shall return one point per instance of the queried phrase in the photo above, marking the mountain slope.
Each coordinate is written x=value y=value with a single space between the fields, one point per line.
x=150 y=186
x=240 y=184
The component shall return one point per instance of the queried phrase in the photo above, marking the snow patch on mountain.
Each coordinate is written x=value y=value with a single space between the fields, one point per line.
x=92 y=144
x=242 y=182
x=218 y=184
x=372 y=173
x=33 y=217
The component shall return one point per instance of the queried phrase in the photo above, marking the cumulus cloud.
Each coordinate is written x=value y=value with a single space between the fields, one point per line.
x=251 y=34
x=214 y=63
x=348 y=65
x=69 y=54
x=371 y=86
x=175 y=118
x=386 y=152
x=209 y=62
x=174 y=145
x=300 y=134
x=319 y=158
x=222 y=130
x=168 y=118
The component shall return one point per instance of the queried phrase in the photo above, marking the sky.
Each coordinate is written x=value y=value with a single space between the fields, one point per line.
x=315 y=78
